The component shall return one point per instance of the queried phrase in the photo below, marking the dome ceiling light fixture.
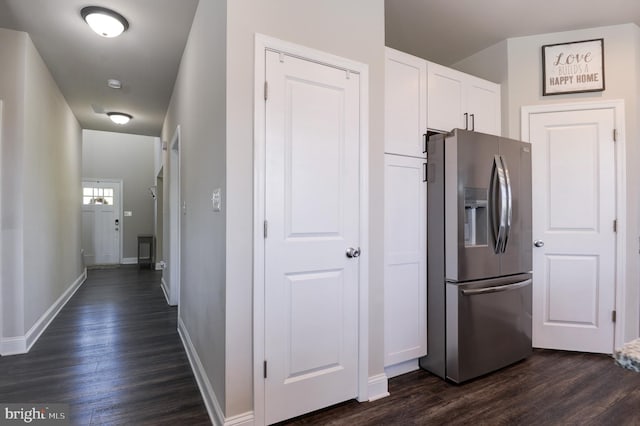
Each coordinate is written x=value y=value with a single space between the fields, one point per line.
x=119 y=117
x=105 y=22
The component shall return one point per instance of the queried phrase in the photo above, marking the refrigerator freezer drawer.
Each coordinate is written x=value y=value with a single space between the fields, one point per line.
x=488 y=325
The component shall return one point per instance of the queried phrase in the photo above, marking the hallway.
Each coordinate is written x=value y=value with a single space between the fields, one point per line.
x=113 y=354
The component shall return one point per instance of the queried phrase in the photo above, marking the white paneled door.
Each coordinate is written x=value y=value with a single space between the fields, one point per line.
x=312 y=213
x=574 y=209
x=101 y=222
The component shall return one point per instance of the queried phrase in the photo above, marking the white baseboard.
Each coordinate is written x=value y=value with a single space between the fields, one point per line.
x=244 y=419
x=378 y=387
x=129 y=261
x=206 y=390
x=165 y=290
x=13 y=346
x=23 y=344
x=401 y=368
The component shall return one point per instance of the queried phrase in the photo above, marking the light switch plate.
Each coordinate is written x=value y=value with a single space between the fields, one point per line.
x=216 y=199
x=127 y=213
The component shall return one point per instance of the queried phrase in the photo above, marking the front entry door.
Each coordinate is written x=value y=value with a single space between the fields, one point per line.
x=312 y=214
x=101 y=222
x=574 y=189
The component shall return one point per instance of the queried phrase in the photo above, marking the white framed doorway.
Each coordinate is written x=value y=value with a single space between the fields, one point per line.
x=310 y=380
x=159 y=219
x=102 y=224
x=579 y=224
x=175 y=216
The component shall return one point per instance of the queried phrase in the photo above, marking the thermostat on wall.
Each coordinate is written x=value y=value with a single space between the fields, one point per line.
x=216 y=199
x=126 y=213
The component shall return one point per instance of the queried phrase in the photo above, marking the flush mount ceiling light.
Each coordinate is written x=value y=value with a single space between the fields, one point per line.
x=119 y=117
x=105 y=22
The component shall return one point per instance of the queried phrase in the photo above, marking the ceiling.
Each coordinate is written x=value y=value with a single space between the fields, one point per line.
x=446 y=31
x=147 y=56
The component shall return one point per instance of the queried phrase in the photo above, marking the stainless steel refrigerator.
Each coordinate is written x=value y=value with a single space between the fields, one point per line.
x=478 y=254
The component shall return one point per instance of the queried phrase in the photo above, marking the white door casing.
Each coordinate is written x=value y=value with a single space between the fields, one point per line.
x=310 y=300
x=175 y=216
x=102 y=224
x=576 y=272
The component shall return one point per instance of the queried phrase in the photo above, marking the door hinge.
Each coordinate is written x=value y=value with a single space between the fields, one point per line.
x=266 y=90
x=615 y=135
x=615 y=225
x=265 y=369
x=266 y=226
x=613 y=316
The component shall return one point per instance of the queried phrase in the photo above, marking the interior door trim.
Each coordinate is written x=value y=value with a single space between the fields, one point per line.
x=263 y=43
x=623 y=330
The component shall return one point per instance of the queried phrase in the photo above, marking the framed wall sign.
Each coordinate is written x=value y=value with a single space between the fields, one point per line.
x=574 y=67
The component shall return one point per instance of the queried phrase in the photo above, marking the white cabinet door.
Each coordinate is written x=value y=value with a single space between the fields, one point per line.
x=405 y=274
x=483 y=105
x=459 y=100
x=405 y=104
x=445 y=90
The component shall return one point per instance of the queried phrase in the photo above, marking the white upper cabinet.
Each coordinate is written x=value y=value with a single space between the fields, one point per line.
x=405 y=104
x=483 y=105
x=446 y=102
x=459 y=100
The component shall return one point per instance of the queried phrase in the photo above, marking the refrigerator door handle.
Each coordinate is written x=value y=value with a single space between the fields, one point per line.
x=496 y=289
x=498 y=218
x=509 y=209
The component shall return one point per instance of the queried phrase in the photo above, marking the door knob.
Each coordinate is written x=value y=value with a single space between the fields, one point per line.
x=538 y=243
x=353 y=252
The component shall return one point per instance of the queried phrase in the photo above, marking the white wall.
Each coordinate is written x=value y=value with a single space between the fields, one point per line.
x=41 y=150
x=622 y=80
x=352 y=29
x=198 y=106
x=110 y=155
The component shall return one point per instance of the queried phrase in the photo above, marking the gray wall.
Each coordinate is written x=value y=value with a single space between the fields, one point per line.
x=109 y=155
x=41 y=151
x=12 y=82
x=622 y=74
x=198 y=106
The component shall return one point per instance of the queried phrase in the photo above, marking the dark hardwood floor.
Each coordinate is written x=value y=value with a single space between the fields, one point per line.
x=113 y=354
x=549 y=388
